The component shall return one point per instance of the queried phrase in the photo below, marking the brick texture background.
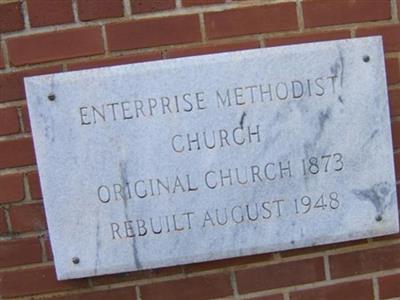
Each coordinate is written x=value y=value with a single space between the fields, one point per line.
x=46 y=36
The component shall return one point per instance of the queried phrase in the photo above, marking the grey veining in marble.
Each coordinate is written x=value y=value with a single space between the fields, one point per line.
x=202 y=158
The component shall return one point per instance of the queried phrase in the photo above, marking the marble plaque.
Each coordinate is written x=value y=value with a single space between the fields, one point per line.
x=203 y=158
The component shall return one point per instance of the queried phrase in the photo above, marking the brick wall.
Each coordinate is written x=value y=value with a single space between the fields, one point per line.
x=45 y=36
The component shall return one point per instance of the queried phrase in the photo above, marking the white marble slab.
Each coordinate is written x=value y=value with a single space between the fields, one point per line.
x=302 y=156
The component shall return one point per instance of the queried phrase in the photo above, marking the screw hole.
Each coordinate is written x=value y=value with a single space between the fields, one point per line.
x=378 y=218
x=366 y=58
x=51 y=97
x=75 y=260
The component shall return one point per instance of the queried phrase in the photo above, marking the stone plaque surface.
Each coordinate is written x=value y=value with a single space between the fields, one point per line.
x=202 y=158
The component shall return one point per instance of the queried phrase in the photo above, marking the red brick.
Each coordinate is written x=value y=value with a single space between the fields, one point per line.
x=398 y=11
x=11 y=17
x=389 y=33
x=3 y=222
x=200 y=2
x=17 y=153
x=127 y=293
x=2 y=65
x=94 y=9
x=280 y=275
x=389 y=286
x=205 y=266
x=365 y=261
x=398 y=194
x=11 y=188
x=322 y=13
x=398 y=6
x=392 y=70
x=34 y=185
x=35 y=281
x=9 y=122
x=55 y=45
x=153 y=32
x=138 y=275
x=12 y=84
x=49 y=250
x=120 y=60
x=358 y=290
x=394 y=102
x=194 y=288
x=146 y=6
x=308 y=37
x=396 y=134
x=272 y=297
x=50 y=12
x=25 y=119
x=250 y=20
x=20 y=252
x=28 y=217
x=397 y=165
x=211 y=48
